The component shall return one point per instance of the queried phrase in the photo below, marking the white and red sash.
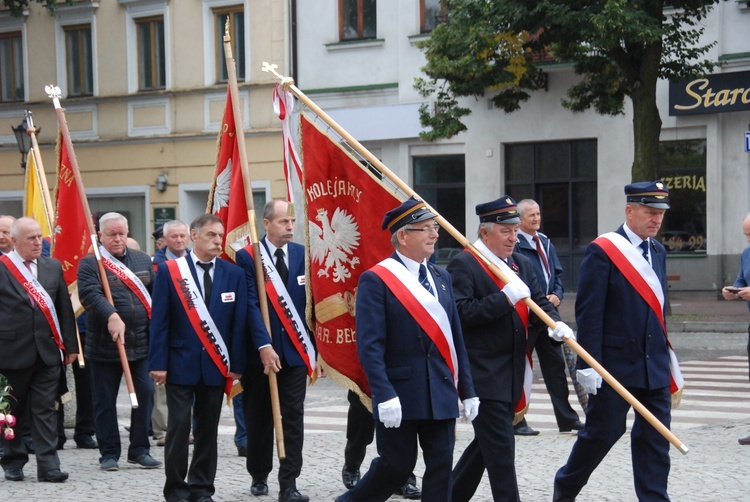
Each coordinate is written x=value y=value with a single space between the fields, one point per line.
x=127 y=277
x=199 y=316
x=424 y=308
x=523 y=312
x=36 y=291
x=638 y=272
x=282 y=304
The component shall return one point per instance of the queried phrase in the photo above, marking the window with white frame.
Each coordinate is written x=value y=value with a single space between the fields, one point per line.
x=357 y=19
x=430 y=15
x=151 y=53
x=11 y=67
x=79 y=60
x=232 y=17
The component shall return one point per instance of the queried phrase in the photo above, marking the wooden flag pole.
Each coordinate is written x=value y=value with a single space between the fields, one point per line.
x=288 y=84
x=48 y=206
x=255 y=242
x=54 y=93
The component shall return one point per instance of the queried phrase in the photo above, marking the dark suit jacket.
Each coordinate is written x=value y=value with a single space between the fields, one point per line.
x=174 y=345
x=555 y=268
x=399 y=358
x=24 y=331
x=616 y=326
x=494 y=334
x=259 y=335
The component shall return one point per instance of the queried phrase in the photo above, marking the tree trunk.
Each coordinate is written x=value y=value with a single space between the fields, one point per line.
x=646 y=119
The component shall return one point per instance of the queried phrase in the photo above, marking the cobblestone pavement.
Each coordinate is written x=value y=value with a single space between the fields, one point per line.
x=714 y=469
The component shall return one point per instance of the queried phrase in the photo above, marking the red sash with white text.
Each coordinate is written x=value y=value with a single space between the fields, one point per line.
x=423 y=307
x=523 y=312
x=37 y=292
x=199 y=316
x=127 y=276
x=282 y=304
x=638 y=272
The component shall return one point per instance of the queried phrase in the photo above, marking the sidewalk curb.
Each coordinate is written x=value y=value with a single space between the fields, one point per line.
x=706 y=327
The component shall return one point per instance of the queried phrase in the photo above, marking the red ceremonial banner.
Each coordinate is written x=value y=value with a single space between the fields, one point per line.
x=345 y=205
x=71 y=238
x=226 y=199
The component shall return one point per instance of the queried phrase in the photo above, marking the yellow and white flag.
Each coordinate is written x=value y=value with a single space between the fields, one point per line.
x=34 y=198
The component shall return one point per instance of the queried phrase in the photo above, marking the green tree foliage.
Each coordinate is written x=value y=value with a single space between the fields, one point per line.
x=17 y=7
x=620 y=49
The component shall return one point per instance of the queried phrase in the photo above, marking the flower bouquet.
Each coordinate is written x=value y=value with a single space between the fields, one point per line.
x=7 y=421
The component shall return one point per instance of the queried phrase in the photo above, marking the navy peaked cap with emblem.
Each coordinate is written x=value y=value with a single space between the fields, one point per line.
x=649 y=193
x=158 y=233
x=502 y=210
x=411 y=211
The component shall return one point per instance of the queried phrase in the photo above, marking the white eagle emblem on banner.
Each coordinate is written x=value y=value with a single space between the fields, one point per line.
x=332 y=244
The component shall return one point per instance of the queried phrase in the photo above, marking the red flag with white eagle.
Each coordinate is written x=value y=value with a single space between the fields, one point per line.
x=344 y=204
x=226 y=199
x=71 y=240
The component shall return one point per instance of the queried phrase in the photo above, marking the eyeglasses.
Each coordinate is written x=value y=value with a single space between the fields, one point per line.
x=434 y=227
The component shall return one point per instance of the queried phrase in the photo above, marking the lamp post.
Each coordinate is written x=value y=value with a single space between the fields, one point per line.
x=23 y=138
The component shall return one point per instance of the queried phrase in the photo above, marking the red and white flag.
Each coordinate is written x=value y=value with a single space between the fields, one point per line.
x=71 y=240
x=344 y=205
x=226 y=199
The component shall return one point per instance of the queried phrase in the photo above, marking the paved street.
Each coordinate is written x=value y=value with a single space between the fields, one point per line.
x=715 y=411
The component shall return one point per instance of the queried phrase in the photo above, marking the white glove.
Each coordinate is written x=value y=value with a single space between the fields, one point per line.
x=390 y=412
x=589 y=379
x=561 y=332
x=516 y=290
x=471 y=408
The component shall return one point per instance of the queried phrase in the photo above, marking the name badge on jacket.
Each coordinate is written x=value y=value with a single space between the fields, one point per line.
x=301 y=280
x=227 y=297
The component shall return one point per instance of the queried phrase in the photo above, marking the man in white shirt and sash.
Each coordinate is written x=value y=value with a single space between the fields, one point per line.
x=197 y=349
x=620 y=312
x=410 y=345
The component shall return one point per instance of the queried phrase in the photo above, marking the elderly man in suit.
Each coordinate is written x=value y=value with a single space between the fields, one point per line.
x=38 y=335
x=6 y=241
x=197 y=348
x=288 y=351
x=410 y=345
x=620 y=310
x=495 y=323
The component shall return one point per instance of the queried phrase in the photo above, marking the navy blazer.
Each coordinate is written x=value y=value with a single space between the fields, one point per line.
x=616 y=326
x=398 y=357
x=524 y=247
x=495 y=336
x=174 y=345
x=295 y=285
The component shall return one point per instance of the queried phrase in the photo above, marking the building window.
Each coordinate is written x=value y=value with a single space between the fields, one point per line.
x=236 y=18
x=561 y=177
x=441 y=181
x=79 y=60
x=683 y=170
x=357 y=19
x=11 y=67
x=430 y=15
x=151 y=53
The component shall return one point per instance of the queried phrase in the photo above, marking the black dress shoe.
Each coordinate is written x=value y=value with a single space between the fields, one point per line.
x=242 y=451
x=350 y=477
x=205 y=499
x=575 y=426
x=86 y=443
x=292 y=495
x=14 y=474
x=524 y=430
x=53 y=476
x=558 y=497
x=410 y=491
x=744 y=441
x=60 y=444
x=259 y=487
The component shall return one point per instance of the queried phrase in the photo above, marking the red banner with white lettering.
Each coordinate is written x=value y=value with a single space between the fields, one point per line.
x=226 y=199
x=71 y=240
x=345 y=205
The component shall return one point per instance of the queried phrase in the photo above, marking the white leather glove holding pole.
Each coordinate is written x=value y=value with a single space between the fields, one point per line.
x=516 y=290
x=471 y=408
x=561 y=332
x=389 y=412
x=589 y=379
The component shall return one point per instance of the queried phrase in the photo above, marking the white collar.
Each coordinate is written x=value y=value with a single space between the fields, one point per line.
x=632 y=237
x=411 y=265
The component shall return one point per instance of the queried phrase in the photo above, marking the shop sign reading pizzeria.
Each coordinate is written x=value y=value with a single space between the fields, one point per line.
x=719 y=93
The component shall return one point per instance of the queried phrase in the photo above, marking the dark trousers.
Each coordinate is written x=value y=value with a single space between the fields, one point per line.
x=105 y=384
x=552 y=364
x=207 y=412
x=605 y=424
x=35 y=390
x=493 y=448
x=397 y=450
x=256 y=404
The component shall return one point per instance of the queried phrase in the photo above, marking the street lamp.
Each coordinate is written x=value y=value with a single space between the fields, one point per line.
x=23 y=138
